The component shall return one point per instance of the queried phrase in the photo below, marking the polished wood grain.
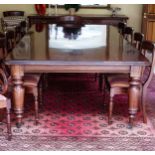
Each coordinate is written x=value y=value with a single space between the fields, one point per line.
x=87 y=19
x=102 y=46
x=93 y=49
x=148 y=22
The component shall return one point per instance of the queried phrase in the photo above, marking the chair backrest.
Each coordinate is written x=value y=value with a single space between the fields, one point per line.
x=3 y=53
x=137 y=40
x=13 y=13
x=10 y=39
x=128 y=33
x=23 y=26
x=148 y=47
x=3 y=82
x=7 y=41
x=2 y=39
x=2 y=46
x=121 y=27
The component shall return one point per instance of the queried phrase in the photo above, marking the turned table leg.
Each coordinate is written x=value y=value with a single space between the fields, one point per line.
x=18 y=92
x=134 y=93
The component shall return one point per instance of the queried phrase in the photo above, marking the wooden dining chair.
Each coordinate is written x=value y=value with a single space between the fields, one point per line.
x=31 y=82
x=119 y=84
x=128 y=33
x=121 y=29
x=5 y=102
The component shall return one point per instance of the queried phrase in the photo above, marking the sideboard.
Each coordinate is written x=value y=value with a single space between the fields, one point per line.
x=87 y=19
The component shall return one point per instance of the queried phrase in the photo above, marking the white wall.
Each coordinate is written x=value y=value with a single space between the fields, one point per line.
x=133 y=11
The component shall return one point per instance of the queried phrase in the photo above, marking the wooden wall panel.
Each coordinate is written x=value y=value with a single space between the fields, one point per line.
x=148 y=24
x=151 y=8
x=150 y=33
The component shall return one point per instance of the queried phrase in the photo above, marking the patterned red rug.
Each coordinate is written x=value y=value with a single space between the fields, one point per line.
x=74 y=117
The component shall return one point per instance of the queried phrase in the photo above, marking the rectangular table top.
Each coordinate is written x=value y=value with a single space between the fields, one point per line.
x=52 y=44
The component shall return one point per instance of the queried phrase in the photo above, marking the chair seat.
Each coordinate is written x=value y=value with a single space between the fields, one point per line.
x=118 y=80
x=3 y=101
x=122 y=80
x=30 y=80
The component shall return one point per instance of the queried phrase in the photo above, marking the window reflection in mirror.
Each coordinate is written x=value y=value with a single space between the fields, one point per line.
x=91 y=36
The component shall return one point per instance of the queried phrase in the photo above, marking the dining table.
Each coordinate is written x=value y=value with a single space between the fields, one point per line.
x=89 y=48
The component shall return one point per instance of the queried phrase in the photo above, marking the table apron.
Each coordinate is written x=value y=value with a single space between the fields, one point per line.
x=75 y=69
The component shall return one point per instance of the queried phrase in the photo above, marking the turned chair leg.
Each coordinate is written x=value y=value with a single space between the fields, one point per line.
x=100 y=81
x=105 y=89
x=45 y=80
x=110 y=108
x=143 y=105
x=35 y=94
x=140 y=108
x=8 y=120
x=96 y=75
x=40 y=91
x=144 y=113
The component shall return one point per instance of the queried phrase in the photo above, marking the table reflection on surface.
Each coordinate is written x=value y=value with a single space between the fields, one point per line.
x=89 y=36
x=93 y=44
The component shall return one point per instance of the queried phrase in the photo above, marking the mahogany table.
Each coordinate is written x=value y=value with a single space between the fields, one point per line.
x=88 y=49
